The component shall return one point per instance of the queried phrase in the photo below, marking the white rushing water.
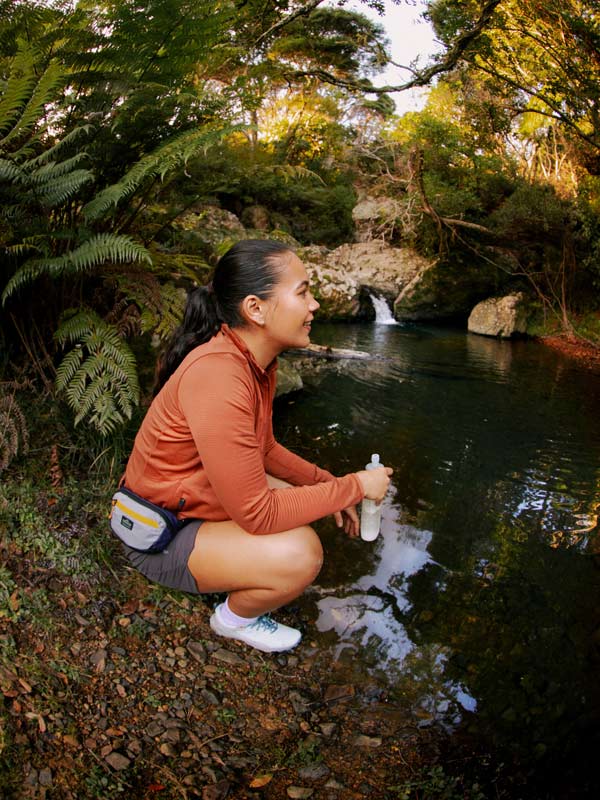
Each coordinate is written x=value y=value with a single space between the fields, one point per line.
x=383 y=313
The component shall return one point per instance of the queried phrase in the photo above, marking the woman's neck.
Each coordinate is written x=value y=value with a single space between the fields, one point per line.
x=262 y=350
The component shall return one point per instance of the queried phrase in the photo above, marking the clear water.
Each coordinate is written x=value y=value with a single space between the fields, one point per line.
x=479 y=601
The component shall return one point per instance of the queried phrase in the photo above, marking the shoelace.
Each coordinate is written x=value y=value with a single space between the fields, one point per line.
x=265 y=622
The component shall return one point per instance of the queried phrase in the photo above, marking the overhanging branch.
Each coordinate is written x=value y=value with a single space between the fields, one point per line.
x=421 y=78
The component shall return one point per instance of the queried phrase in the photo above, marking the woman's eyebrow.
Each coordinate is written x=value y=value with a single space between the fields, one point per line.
x=303 y=285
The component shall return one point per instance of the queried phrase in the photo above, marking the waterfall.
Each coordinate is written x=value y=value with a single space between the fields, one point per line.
x=383 y=314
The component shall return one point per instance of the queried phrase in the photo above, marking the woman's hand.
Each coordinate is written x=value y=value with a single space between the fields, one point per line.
x=348 y=519
x=375 y=482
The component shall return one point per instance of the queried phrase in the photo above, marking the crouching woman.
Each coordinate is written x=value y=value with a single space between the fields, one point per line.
x=206 y=451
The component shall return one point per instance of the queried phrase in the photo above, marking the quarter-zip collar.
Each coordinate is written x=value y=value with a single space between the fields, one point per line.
x=261 y=374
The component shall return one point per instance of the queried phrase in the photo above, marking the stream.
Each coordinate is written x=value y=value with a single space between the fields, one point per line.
x=478 y=603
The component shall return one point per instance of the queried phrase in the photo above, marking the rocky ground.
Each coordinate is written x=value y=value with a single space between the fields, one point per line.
x=114 y=688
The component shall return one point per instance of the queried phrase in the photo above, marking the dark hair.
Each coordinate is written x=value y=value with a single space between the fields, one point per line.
x=249 y=267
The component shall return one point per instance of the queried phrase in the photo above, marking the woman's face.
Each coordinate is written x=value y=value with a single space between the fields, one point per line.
x=290 y=310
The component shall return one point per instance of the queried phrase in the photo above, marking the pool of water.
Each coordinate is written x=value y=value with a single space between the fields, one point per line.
x=479 y=601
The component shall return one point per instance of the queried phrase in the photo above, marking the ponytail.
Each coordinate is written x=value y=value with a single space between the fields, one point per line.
x=201 y=322
x=249 y=267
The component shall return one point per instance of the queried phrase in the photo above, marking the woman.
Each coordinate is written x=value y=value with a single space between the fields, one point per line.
x=206 y=450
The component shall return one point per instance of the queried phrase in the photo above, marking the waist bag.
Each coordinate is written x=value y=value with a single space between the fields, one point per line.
x=140 y=524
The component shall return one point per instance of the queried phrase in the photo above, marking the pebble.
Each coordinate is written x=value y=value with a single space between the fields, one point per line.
x=210 y=697
x=98 y=659
x=299 y=792
x=227 y=657
x=117 y=760
x=327 y=728
x=167 y=749
x=335 y=692
x=154 y=729
x=367 y=741
x=314 y=772
x=299 y=703
x=45 y=777
x=333 y=784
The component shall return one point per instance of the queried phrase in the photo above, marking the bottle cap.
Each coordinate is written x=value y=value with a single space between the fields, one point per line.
x=374 y=463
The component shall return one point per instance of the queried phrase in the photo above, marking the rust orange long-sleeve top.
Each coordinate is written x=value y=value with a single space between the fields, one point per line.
x=206 y=446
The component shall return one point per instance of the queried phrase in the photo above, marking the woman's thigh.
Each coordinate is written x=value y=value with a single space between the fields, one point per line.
x=227 y=558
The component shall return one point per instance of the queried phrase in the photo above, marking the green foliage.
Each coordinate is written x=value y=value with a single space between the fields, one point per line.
x=14 y=433
x=96 y=251
x=99 y=374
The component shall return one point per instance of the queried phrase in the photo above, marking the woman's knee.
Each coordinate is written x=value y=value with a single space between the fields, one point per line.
x=302 y=553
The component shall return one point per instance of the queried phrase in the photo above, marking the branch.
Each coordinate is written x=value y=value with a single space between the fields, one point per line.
x=422 y=78
x=300 y=12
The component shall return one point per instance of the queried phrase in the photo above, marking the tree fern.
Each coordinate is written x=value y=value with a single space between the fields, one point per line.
x=98 y=376
x=27 y=101
x=170 y=156
x=99 y=249
x=14 y=434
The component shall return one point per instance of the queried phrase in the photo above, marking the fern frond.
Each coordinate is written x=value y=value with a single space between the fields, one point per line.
x=163 y=319
x=43 y=92
x=13 y=430
x=18 y=88
x=99 y=376
x=173 y=154
x=60 y=189
x=290 y=172
x=11 y=172
x=102 y=248
x=56 y=169
x=56 y=149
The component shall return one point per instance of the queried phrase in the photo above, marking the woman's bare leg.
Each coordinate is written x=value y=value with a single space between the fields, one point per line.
x=260 y=573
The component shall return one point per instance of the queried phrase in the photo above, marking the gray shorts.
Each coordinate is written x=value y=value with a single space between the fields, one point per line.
x=169 y=567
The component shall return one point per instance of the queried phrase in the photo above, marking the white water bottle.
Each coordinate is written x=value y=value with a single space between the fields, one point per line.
x=370 y=514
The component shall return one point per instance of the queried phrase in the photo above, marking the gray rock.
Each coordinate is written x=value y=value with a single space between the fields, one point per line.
x=154 y=729
x=117 y=760
x=45 y=777
x=314 y=772
x=227 y=657
x=500 y=316
x=197 y=651
x=210 y=697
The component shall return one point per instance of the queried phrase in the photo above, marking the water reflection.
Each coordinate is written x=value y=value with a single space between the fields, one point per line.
x=479 y=600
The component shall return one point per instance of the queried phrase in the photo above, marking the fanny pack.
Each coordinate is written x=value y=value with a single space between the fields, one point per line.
x=140 y=524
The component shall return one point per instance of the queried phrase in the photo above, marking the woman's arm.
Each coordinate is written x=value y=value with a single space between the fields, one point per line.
x=218 y=403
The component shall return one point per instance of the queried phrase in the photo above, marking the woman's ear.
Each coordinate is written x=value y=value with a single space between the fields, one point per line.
x=253 y=310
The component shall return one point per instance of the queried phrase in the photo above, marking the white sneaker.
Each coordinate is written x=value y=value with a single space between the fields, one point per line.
x=265 y=634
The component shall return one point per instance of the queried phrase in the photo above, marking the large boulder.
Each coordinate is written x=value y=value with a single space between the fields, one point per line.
x=500 y=316
x=341 y=279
